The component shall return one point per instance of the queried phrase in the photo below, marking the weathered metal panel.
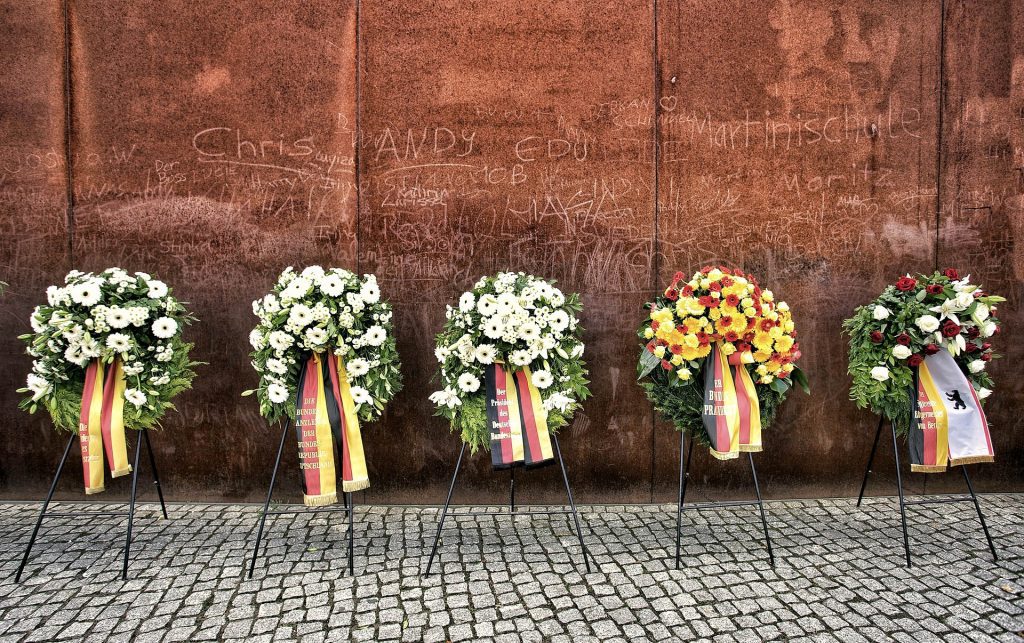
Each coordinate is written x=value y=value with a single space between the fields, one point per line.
x=510 y=140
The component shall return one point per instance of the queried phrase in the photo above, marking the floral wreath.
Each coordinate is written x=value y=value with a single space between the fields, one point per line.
x=717 y=305
x=108 y=316
x=911 y=319
x=321 y=310
x=516 y=319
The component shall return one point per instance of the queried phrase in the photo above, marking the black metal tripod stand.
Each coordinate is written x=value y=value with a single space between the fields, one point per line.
x=348 y=508
x=684 y=470
x=920 y=501
x=144 y=437
x=513 y=512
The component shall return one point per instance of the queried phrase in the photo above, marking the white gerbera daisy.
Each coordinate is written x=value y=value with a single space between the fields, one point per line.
x=542 y=379
x=277 y=393
x=87 y=293
x=485 y=353
x=370 y=292
x=519 y=358
x=494 y=328
x=275 y=365
x=300 y=316
x=135 y=396
x=507 y=303
x=469 y=383
x=375 y=335
x=332 y=285
x=119 y=342
x=165 y=327
x=529 y=332
x=487 y=305
x=357 y=367
x=117 y=317
x=466 y=302
x=360 y=396
x=157 y=289
x=558 y=321
x=280 y=340
x=313 y=273
x=297 y=288
x=316 y=336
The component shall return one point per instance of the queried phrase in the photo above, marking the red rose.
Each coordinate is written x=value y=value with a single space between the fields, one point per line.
x=732 y=300
x=931 y=349
x=971 y=347
x=915 y=359
x=715 y=286
x=877 y=337
x=998 y=329
x=667 y=365
x=934 y=289
x=903 y=339
x=986 y=346
x=731 y=336
x=973 y=332
x=906 y=283
x=950 y=328
x=672 y=294
x=687 y=290
x=951 y=273
x=986 y=357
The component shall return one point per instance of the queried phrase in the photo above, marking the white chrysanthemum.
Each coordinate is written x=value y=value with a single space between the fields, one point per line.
x=357 y=367
x=360 y=396
x=300 y=316
x=117 y=317
x=165 y=327
x=542 y=379
x=355 y=300
x=879 y=313
x=257 y=339
x=275 y=365
x=332 y=285
x=280 y=340
x=277 y=393
x=157 y=289
x=135 y=396
x=119 y=342
x=138 y=315
x=976 y=366
x=880 y=373
x=346 y=320
x=375 y=335
x=57 y=296
x=927 y=323
x=87 y=293
x=469 y=383
x=519 y=358
x=316 y=336
x=556 y=298
x=165 y=354
x=493 y=328
x=485 y=353
x=370 y=292
x=39 y=386
x=467 y=302
x=487 y=305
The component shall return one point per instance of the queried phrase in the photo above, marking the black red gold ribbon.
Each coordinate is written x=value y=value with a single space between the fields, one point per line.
x=324 y=415
x=949 y=427
x=101 y=424
x=516 y=418
x=732 y=413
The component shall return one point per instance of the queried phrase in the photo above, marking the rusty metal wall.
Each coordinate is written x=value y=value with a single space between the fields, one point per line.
x=826 y=146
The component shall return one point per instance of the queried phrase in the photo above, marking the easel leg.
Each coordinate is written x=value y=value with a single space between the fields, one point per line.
x=512 y=489
x=42 y=512
x=981 y=518
x=572 y=504
x=444 y=512
x=156 y=476
x=684 y=465
x=760 y=505
x=131 y=507
x=871 y=460
x=899 y=486
x=350 y=501
x=266 y=504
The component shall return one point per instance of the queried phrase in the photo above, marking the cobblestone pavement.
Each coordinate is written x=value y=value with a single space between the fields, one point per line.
x=840 y=576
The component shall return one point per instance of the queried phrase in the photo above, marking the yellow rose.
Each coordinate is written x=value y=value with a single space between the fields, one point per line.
x=775 y=332
x=762 y=370
x=659 y=352
x=662 y=315
x=715 y=274
x=750 y=312
x=783 y=306
x=727 y=348
x=677 y=359
x=684 y=374
x=787 y=326
x=747 y=303
x=767 y=379
x=704 y=283
x=767 y=295
x=691 y=341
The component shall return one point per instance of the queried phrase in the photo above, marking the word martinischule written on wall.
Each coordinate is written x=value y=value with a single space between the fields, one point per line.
x=826 y=147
